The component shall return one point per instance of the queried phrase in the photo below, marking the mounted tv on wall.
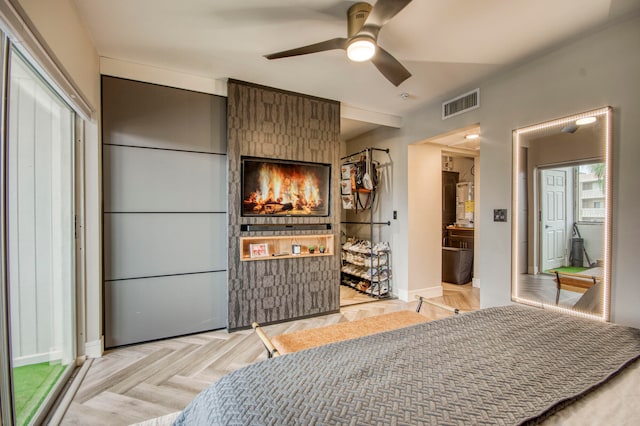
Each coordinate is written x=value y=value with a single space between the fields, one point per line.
x=285 y=188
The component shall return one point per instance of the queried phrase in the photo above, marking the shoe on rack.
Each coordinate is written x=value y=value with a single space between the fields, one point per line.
x=363 y=286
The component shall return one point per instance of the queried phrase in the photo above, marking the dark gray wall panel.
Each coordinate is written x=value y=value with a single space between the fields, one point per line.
x=164 y=186
x=144 y=114
x=152 y=180
x=266 y=122
x=154 y=308
x=145 y=244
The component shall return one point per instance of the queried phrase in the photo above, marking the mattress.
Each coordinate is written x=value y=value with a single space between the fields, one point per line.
x=505 y=365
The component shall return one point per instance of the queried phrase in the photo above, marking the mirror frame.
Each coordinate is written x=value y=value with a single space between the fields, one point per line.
x=607 y=113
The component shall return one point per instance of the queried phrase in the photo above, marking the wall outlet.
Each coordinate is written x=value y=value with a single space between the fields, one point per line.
x=395 y=214
x=499 y=215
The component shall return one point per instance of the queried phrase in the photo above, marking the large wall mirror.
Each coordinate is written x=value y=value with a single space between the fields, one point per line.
x=562 y=214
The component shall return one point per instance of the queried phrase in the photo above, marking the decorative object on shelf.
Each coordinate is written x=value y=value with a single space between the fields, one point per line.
x=259 y=250
x=322 y=249
x=287 y=246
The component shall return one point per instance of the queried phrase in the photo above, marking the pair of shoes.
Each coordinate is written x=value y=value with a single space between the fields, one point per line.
x=378 y=274
x=375 y=261
x=358 y=246
x=358 y=271
x=377 y=290
x=382 y=246
x=363 y=285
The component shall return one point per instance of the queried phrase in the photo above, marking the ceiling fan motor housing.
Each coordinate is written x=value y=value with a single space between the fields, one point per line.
x=356 y=17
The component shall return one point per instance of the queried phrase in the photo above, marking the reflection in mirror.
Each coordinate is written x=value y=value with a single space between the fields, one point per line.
x=561 y=214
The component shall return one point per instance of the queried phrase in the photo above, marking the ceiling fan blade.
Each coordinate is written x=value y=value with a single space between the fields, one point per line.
x=384 y=10
x=390 y=67
x=335 y=43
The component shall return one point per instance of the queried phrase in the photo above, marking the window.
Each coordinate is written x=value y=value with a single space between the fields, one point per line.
x=40 y=240
x=590 y=194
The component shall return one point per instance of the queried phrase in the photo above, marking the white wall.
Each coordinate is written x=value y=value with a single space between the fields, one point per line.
x=597 y=70
x=424 y=188
x=59 y=24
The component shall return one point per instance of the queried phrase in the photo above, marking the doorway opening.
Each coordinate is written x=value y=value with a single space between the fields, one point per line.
x=443 y=198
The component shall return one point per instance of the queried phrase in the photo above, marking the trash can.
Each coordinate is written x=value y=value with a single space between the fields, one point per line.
x=457 y=265
x=577 y=250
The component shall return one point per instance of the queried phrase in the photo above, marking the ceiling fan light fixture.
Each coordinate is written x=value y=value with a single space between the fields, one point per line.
x=361 y=49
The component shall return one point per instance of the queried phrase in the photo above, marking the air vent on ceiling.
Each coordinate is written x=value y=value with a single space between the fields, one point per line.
x=460 y=104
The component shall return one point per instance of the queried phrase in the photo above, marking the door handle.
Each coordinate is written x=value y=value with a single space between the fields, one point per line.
x=547 y=226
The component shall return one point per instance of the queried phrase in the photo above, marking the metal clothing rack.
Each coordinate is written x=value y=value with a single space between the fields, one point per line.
x=369 y=151
x=364 y=151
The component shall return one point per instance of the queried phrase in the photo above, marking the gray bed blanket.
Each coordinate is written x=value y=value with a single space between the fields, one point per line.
x=507 y=365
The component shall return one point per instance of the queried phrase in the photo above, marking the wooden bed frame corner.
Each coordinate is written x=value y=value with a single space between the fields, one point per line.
x=272 y=350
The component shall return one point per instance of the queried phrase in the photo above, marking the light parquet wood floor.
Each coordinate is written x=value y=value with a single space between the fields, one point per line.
x=350 y=296
x=141 y=382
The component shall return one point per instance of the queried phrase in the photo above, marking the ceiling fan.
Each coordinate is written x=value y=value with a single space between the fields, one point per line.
x=364 y=23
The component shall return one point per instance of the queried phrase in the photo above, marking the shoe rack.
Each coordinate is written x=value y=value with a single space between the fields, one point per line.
x=366 y=268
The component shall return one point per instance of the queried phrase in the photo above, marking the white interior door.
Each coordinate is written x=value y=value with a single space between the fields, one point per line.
x=553 y=202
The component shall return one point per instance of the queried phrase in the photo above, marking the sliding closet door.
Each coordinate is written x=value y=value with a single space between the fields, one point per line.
x=40 y=239
x=165 y=243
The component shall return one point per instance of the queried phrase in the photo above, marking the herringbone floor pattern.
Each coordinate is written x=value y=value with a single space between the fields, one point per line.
x=145 y=381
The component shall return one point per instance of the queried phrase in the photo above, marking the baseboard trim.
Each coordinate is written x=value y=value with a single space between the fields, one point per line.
x=427 y=292
x=94 y=349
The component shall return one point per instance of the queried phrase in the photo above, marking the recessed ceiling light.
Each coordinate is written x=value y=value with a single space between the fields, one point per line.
x=404 y=96
x=585 y=120
x=472 y=136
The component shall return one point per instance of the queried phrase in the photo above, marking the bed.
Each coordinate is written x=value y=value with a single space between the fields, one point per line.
x=505 y=365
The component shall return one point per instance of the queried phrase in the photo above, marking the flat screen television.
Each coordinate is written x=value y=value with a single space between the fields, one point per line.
x=285 y=188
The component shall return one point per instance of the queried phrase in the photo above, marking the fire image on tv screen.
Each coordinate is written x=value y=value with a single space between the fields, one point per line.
x=284 y=188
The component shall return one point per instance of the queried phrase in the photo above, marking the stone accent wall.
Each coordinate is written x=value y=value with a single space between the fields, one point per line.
x=271 y=123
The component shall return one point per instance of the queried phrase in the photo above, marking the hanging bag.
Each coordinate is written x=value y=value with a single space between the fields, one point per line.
x=367 y=182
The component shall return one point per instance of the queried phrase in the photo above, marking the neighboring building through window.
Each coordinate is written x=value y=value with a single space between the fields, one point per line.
x=590 y=193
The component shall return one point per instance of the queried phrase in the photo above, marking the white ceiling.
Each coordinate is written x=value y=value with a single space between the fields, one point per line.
x=448 y=45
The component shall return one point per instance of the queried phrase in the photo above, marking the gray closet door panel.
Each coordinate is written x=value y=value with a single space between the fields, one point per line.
x=151 y=180
x=155 y=308
x=144 y=114
x=146 y=244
